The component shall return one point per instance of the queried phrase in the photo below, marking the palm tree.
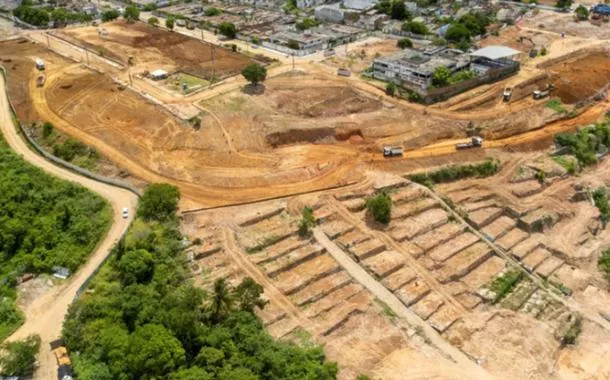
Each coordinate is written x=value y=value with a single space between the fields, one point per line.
x=222 y=302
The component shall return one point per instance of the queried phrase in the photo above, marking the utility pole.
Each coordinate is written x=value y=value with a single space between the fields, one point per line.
x=292 y=61
x=202 y=39
x=48 y=41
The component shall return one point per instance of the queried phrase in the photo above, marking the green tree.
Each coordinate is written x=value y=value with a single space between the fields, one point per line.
x=153 y=21
x=380 y=207
x=132 y=13
x=415 y=27
x=159 y=202
x=603 y=263
x=582 y=12
x=19 y=358
x=193 y=373
x=404 y=43
x=307 y=23
x=154 y=352
x=248 y=295
x=307 y=221
x=210 y=12
x=47 y=130
x=227 y=29
x=399 y=11
x=110 y=15
x=222 y=301
x=293 y=44
x=563 y=4
x=170 y=22
x=136 y=266
x=440 y=76
x=390 y=88
x=254 y=73
x=457 y=33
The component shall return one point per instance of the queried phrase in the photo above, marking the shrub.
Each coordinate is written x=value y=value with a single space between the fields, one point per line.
x=455 y=172
x=227 y=29
x=404 y=43
x=600 y=197
x=603 y=263
x=503 y=285
x=153 y=21
x=307 y=23
x=132 y=13
x=69 y=149
x=254 y=73
x=110 y=15
x=212 y=12
x=307 y=222
x=47 y=130
x=573 y=331
x=380 y=207
x=415 y=28
x=390 y=88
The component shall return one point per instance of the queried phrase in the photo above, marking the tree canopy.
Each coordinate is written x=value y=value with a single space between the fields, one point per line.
x=404 y=43
x=254 y=73
x=110 y=15
x=380 y=207
x=227 y=29
x=144 y=319
x=169 y=23
x=415 y=27
x=19 y=358
x=153 y=21
x=132 y=13
x=159 y=202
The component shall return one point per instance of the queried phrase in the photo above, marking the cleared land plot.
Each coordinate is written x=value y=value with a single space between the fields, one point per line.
x=156 y=48
x=453 y=246
x=444 y=317
x=336 y=228
x=351 y=238
x=499 y=227
x=512 y=238
x=421 y=223
x=406 y=194
x=331 y=300
x=482 y=274
x=428 y=305
x=484 y=216
x=367 y=248
x=279 y=249
x=438 y=236
x=525 y=247
x=412 y=292
x=399 y=278
x=464 y=262
x=384 y=263
x=413 y=208
x=549 y=266
x=580 y=78
x=320 y=288
x=535 y=258
x=293 y=259
x=304 y=274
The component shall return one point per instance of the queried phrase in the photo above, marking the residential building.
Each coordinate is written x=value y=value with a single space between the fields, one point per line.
x=330 y=13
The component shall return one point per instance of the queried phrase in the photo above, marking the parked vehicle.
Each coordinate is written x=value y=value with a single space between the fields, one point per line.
x=190 y=25
x=180 y=22
x=507 y=94
x=344 y=72
x=39 y=64
x=40 y=80
x=540 y=94
x=125 y=213
x=392 y=151
x=475 y=142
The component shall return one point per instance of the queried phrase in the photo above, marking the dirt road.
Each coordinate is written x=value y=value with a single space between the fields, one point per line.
x=398 y=307
x=46 y=314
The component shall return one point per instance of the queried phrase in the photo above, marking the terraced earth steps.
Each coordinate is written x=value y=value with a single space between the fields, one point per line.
x=525 y=247
x=292 y=259
x=410 y=227
x=406 y=194
x=444 y=317
x=282 y=327
x=522 y=292
x=412 y=208
x=335 y=228
x=304 y=274
x=207 y=250
x=411 y=249
x=549 y=266
x=535 y=258
x=250 y=220
x=483 y=274
x=353 y=194
x=271 y=313
x=412 y=292
x=428 y=305
x=478 y=204
x=438 y=236
x=278 y=249
x=484 y=216
x=321 y=288
x=355 y=204
x=399 y=278
x=538 y=220
x=385 y=263
x=331 y=300
x=512 y=238
x=367 y=249
x=453 y=246
x=470 y=194
x=351 y=238
x=499 y=227
x=338 y=316
x=468 y=300
x=526 y=189
x=464 y=262
x=324 y=213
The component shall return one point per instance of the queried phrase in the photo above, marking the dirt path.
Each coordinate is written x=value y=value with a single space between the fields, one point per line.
x=46 y=314
x=383 y=294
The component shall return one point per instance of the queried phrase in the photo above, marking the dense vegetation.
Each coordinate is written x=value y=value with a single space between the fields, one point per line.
x=308 y=221
x=19 y=358
x=380 y=207
x=44 y=222
x=455 y=172
x=603 y=263
x=600 y=198
x=307 y=23
x=586 y=142
x=442 y=76
x=396 y=9
x=144 y=319
x=466 y=27
x=42 y=16
x=227 y=29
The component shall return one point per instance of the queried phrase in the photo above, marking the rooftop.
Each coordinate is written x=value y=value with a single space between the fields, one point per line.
x=495 y=52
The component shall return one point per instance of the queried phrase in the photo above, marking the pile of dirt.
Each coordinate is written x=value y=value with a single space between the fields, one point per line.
x=579 y=79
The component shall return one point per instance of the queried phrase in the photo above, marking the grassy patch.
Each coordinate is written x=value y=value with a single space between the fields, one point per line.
x=556 y=105
x=603 y=263
x=569 y=163
x=504 y=284
x=186 y=83
x=387 y=310
x=573 y=331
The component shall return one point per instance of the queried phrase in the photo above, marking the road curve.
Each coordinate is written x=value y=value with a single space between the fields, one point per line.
x=46 y=314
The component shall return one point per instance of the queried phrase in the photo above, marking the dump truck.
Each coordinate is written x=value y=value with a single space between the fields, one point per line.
x=507 y=94
x=344 y=72
x=61 y=353
x=392 y=151
x=39 y=64
x=475 y=142
x=540 y=94
x=40 y=80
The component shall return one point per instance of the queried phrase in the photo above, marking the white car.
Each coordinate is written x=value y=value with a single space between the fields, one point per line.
x=125 y=213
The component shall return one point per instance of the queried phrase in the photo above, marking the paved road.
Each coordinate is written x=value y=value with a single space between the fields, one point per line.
x=383 y=294
x=46 y=314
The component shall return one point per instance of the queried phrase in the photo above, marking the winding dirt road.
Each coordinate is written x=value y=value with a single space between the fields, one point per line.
x=46 y=314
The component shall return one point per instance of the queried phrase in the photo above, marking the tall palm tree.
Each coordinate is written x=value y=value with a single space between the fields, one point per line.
x=222 y=301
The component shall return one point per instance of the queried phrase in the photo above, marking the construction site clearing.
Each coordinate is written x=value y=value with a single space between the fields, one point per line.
x=420 y=297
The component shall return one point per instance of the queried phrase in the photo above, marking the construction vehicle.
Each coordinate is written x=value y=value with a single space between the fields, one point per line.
x=39 y=64
x=61 y=353
x=392 y=151
x=540 y=94
x=40 y=80
x=475 y=142
x=344 y=72
x=507 y=94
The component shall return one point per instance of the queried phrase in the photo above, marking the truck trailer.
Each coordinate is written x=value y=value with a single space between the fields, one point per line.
x=392 y=151
x=475 y=142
